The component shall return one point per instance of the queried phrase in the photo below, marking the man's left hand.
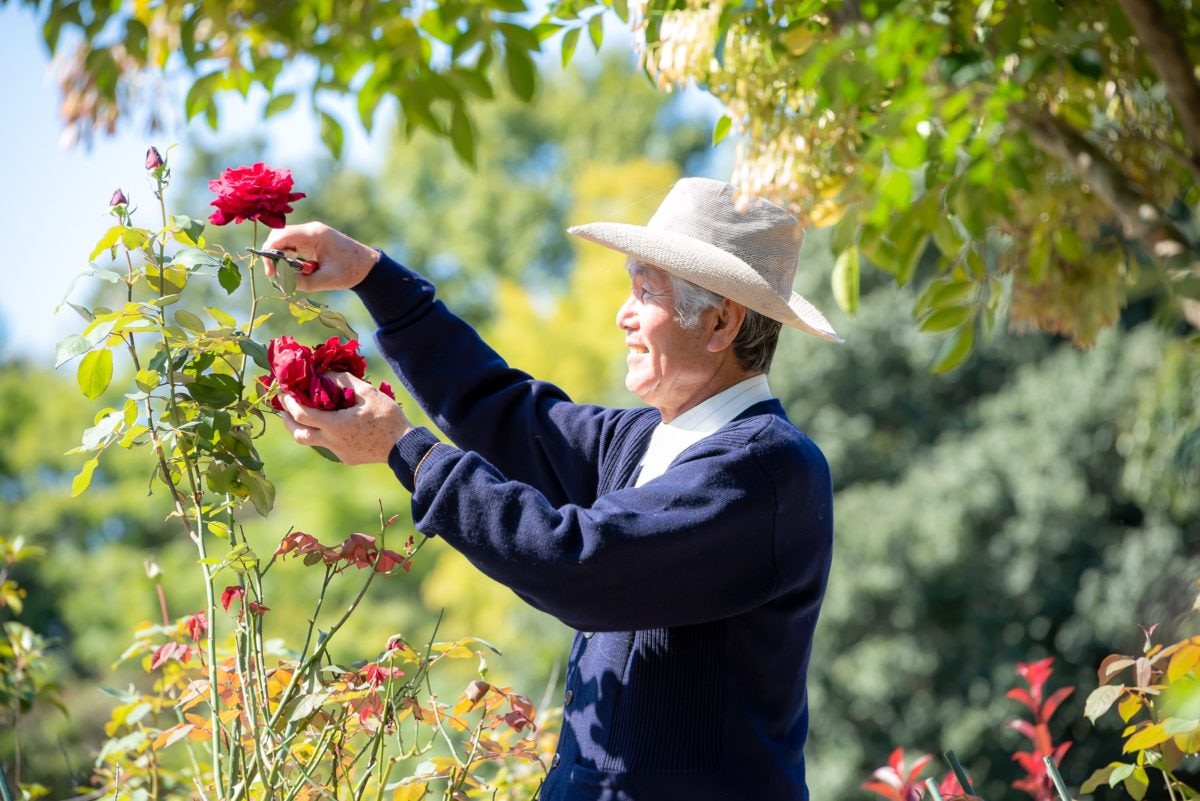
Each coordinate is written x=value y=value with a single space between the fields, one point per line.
x=361 y=434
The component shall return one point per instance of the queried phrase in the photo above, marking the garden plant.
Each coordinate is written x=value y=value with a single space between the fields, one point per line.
x=227 y=711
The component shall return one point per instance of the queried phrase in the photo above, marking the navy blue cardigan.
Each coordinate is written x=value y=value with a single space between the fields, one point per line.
x=695 y=596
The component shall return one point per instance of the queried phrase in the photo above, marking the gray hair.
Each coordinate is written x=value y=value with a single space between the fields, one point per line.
x=754 y=345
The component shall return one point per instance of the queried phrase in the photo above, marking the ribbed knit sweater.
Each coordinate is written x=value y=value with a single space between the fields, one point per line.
x=695 y=596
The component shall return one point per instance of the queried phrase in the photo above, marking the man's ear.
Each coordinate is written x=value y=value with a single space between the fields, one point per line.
x=727 y=323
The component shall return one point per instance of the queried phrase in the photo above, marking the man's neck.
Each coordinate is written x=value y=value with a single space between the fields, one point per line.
x=721 y=381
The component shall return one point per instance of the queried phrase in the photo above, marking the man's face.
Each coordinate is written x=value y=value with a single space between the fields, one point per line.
x=667 y=364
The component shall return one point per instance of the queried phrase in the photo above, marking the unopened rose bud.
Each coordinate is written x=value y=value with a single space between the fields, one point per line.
x=154 y=159
x=118 y=199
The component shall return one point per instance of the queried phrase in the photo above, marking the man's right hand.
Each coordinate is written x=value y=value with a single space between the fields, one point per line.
x=342 y=262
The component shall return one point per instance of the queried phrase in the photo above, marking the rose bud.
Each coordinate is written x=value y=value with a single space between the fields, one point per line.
x=154 y=159
x=118 y=199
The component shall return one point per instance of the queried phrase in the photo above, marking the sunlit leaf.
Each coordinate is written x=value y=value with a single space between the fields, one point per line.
x=1101 y=699
x=569 y=42
x=95 y=373
x=721 y=129
x=846 y=280
x=84 y=478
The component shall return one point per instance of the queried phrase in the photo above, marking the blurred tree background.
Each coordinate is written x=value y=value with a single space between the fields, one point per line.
x=1040 y=500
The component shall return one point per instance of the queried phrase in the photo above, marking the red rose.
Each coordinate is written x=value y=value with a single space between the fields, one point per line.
x=333 y=357
x=118 y=199
x=301 y=372
x=154 y=159
x=257 y=192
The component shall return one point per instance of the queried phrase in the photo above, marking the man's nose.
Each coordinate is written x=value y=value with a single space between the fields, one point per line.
x=625 y=315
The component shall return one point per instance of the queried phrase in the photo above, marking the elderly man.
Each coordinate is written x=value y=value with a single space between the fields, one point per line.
x=687 y=542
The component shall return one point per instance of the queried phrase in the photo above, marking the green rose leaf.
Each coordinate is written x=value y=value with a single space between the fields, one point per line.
x=229 y=276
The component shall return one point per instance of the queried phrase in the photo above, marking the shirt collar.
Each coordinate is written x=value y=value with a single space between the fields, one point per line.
x=709 y=415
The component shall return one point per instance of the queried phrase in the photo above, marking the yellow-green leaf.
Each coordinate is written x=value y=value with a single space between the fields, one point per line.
x=1148 y=737
x=1130 y=705
x=846 y=280
x=721 y=129
x=81 y=481
x=95 y=373
x=1183 y=661
x=955 y=350
x=946 y=319
x=569 y=42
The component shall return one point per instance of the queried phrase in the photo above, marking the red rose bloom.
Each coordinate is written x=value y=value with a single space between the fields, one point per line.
x=257 y=192
x=301 y=372
x=333 y=357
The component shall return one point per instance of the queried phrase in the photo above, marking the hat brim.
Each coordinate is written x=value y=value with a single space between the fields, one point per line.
x=712 y=268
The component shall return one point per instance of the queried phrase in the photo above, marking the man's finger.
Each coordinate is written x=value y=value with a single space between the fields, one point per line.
x=303 y=415
x=303 y=435
x=349 y=380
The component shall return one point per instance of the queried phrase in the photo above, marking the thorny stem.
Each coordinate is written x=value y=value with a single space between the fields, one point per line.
x=213 y=698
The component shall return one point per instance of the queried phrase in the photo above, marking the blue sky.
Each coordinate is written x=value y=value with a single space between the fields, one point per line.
x=54 y=199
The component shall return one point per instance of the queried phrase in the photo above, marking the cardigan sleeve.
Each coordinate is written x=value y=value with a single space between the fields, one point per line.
x=731 y=525
x=527 y=429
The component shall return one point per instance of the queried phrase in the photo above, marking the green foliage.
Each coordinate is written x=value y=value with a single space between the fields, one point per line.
x=1043 y=143
x=1157 y=693
x=1030 y=140
x=982 y=519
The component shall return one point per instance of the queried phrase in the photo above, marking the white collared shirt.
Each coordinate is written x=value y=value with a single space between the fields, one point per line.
x=671 y=439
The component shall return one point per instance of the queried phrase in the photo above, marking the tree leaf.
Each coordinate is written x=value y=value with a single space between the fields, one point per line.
x=462 y=134
x=845 y=280
x=721 y=129
x=81 y=481
x=95 y=373
x=199 y=96
x=519 y=69
x=946 y=318
x=332 y=135
x=955 y=350
x=570 y=41
x=279 y=103
x=596 y=31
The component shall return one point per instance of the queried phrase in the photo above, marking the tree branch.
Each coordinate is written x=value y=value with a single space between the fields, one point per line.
x=1138 y=214
x=1162 y=45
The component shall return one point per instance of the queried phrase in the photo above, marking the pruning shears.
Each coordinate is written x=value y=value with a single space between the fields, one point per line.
x=302 y=266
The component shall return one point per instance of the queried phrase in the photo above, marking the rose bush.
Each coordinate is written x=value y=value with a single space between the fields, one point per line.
x=231 y=714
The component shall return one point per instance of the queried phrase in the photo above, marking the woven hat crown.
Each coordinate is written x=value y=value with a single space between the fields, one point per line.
x=756 y=231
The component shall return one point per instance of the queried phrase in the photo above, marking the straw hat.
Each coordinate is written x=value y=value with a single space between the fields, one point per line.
x=746 y=252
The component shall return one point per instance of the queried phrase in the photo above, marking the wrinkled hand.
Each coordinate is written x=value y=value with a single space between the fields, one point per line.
x=361 y=434
x=344 y=262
